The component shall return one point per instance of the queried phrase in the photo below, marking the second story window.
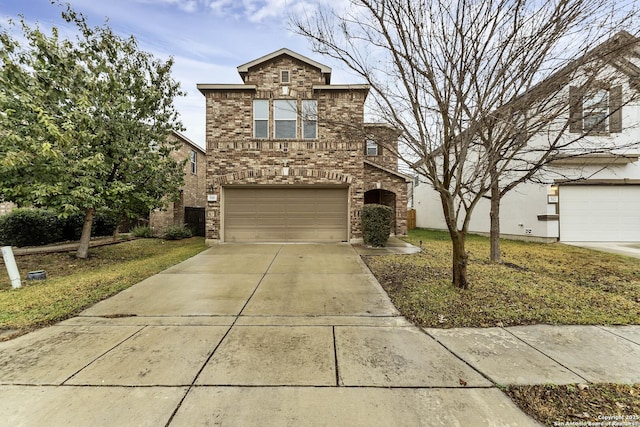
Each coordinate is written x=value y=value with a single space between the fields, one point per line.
x=193 y=157
x=372 y=148
x=309 y=119
x=285 y=116
x=260 y=118
x=596 y=110
x=285 y=76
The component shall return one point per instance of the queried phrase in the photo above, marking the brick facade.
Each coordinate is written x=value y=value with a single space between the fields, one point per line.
x=335 y=158
x=193 y=192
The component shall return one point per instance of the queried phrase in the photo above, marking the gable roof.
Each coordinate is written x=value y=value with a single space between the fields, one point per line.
x=609 y=51
x=407 y=178
x=189 y=142
x=325 y=70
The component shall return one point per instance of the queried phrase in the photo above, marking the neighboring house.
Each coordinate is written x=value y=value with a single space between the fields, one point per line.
x=290 y=158
x=190 y=208
x=592 y=197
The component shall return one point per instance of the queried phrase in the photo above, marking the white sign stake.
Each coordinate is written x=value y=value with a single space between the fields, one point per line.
x=12 y=268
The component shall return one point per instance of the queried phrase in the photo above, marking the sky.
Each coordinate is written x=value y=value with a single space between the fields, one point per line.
x=208 y=39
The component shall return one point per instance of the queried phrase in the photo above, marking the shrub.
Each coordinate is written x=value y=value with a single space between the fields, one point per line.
x=72 y=227
x=30 y=227
x=177 y=232
x=142 y=231
x=376 y=224
x=104 y=224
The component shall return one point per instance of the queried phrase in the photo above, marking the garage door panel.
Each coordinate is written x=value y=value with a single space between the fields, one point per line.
x=285 y=214
x=599 y=213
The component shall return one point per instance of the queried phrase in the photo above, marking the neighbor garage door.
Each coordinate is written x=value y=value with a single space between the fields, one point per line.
x=285 y=214
x=592 y=213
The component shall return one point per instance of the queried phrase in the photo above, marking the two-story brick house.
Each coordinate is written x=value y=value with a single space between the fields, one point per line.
x=189 y=209
x=290 y=158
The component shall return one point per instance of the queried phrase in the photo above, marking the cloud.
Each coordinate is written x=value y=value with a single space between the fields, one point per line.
x=259 y=11
x=221 y=7
x=189 y=6
x=208 y=39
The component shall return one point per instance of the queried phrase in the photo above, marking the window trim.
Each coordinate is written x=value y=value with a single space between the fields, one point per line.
x=282 y=74
x=596 y=111
x=613 y=122
x=261 y=119
x=310 y=118
x=370 y=144
x=276 y=120
x=193 y=157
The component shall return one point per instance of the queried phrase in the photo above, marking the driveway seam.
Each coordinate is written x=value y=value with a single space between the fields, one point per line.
x=104 y=353
x=335 y=355
x=235 y=320
x=257 y=286
x=190 y=386
x=315 y=386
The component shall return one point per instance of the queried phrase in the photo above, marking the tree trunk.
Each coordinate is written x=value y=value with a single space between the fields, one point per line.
x=85 y=238
x=494 y=230
x=460 y=257
x=460 y=261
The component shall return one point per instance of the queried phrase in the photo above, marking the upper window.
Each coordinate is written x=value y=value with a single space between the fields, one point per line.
x=260 y=118
x=372 y=148
x=285 y=116
x=285 y=76
x=193 y=156
x=595 y=110
x=309 y=119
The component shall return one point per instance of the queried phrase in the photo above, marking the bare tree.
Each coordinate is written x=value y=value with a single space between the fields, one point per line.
x=440 y=70
x=523 y=138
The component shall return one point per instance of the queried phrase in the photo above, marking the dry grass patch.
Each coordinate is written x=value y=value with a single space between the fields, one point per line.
x=73 y=284
x=537 y=283
x=593 y=404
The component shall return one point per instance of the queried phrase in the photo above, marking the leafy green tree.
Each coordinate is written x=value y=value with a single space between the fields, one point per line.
x=84 y=123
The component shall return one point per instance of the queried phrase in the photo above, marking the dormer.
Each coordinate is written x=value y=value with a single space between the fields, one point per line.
x=284 y=72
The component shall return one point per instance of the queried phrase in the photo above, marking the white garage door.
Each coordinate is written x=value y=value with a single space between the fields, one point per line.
x=592 y=213
x=285 y=214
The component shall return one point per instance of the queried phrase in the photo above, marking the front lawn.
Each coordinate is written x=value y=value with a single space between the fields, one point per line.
x=536 y=283
x=73 y=284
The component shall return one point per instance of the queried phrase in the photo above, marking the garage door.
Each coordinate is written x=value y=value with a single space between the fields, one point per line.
x=285 y=214
x=590 y=213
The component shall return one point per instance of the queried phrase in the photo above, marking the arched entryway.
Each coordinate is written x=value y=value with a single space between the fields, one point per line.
x=382 y=197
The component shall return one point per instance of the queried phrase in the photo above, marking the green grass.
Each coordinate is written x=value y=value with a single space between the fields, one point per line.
x=536 y=283
x=73 y=284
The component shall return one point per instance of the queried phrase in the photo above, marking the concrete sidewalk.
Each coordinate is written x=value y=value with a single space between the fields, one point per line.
x=286 y=335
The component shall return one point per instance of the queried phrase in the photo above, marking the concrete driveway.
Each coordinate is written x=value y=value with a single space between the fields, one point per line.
x=264 y=335
x=630 y=249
